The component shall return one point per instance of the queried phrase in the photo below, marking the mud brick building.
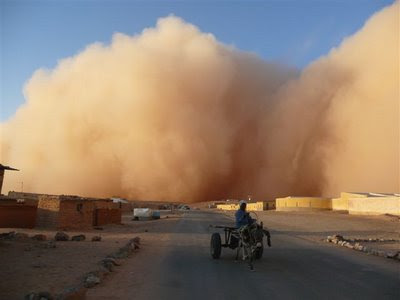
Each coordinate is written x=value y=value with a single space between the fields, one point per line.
x=16 y=214
x=72 y=212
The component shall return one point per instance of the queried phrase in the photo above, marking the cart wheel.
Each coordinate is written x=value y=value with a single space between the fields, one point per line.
x=259 y=252
x=215 y=245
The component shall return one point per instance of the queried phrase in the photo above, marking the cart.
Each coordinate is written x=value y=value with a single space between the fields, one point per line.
x=247 y=238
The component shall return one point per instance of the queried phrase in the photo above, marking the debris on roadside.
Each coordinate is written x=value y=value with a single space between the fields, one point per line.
x=21 y=236
x=7 y=235
x=91 y=280
x=109 y=263
x=353 y=243
x=39 y=296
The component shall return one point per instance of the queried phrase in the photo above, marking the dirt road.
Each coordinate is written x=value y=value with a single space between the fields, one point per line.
x=175 y=264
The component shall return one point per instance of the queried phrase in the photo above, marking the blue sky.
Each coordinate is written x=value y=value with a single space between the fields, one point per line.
x=36 y=34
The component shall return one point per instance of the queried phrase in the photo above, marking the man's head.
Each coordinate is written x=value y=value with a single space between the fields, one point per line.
x=242 y=204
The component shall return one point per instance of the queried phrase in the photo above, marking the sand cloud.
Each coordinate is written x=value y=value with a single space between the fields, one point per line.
x=173 y=114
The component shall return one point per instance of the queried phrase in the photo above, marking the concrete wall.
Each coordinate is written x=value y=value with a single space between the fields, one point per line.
x=374 y=205
x=252 y=206
x=367 y=203
x=354 y=203
x=256 y=206
x=17 y=216
x=228 y=206
x=340 y=204
x=303 y=203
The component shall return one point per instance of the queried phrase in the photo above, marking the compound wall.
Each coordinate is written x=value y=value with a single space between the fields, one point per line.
x=228 y=206
x=303 y=203
x=252 y=206
x=342 y=203
x=374 y=205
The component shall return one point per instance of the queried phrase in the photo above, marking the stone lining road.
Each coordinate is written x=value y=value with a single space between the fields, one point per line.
x=174 y=263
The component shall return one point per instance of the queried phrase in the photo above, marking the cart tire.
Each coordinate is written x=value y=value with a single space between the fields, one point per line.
x=259 y=252
x=215 y=245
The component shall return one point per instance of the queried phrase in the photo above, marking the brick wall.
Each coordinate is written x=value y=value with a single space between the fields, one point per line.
x=101 y=217
x=103 y=204
x=17 y=216
x=47 y=211
x=107 y=216
x=115 y=216
x=76 y=214
x=125 y=207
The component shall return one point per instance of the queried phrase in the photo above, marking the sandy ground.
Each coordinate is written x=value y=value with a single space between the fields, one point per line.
x=26 y=266
x=175 y=263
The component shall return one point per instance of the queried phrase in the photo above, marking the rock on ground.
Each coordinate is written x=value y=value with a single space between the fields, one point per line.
x=78 y=238
x=61 y=236
x=39 y=296
x=91 y=280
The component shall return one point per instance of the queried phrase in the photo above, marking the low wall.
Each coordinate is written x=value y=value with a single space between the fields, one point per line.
x=252 y=206
x=340 y=204
x=303 y=203
x=228 y=206
x=375 y=205
x=17 y=216
x=257 y=206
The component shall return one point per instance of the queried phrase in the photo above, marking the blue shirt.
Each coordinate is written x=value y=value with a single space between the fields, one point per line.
x=242 y=218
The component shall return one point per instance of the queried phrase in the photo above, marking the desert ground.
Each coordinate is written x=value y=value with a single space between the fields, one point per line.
x=32 y=266
x=174 y=262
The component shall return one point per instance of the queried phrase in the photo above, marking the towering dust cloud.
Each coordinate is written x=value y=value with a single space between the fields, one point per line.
x=172 y=114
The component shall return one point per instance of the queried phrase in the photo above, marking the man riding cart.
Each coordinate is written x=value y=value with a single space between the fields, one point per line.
x=247 y=235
